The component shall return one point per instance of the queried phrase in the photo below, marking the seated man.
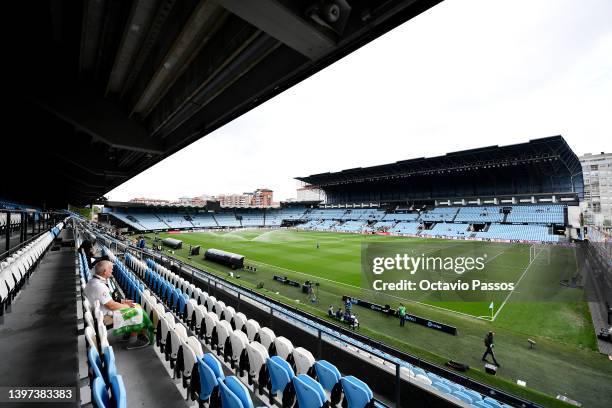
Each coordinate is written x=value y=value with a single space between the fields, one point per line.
x=346 y=317
x=97 y=289
x=330 y=311
x=354 y=323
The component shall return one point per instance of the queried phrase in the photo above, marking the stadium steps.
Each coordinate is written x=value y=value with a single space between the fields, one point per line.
x=145 y=377
x=215 y=218
x=162 y=220
x=505 y=219
x=37 y=334
x=190 y=221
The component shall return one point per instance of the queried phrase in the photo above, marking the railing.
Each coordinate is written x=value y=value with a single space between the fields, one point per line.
x=43 y=224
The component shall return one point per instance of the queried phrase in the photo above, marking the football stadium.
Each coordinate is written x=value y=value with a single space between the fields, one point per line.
x=382 y=292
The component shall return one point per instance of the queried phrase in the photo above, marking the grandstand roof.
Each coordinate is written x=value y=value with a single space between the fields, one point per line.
x=547 y=155
x=102 y=90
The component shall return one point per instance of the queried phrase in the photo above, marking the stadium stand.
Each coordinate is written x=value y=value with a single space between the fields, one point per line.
x=520 y=222
x=440 y=214
x=174 y=220
x=251 y=218
x=401 y=217
x=331 y=214
x=407 y=228
x=381 y=226
x=447 y=230
x=275 y=217
x=519 y=233
x=537 y=214
x=480 y=214
x=351 y=226
x=227 y=220
x=325 y=225
x=203 y=220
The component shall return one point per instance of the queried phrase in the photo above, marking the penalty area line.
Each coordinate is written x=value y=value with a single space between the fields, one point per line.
x=515 y=286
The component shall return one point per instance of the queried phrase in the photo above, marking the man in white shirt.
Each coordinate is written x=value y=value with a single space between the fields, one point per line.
x=97 y=289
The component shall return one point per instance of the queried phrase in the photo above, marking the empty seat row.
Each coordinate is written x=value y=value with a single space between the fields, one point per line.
x=17 y=268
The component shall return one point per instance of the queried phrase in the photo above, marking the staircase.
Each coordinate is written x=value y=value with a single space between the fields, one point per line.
x=160 y=218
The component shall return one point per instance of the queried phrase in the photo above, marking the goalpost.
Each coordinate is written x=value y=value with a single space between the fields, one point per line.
x=536 y=249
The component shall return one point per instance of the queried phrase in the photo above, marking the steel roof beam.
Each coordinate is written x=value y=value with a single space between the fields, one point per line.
x=137 y=26
x=93 y=19
x=278 y=21
x=102 y=119
x=203 y=23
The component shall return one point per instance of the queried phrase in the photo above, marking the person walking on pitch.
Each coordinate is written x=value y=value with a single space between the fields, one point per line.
x=488 y=342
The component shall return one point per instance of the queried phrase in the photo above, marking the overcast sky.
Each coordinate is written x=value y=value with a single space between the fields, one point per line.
x=464 y=74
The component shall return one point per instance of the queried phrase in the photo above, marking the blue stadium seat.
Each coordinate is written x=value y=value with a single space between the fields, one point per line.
x=208 y=381
x=182 y=304
x=109 y=363
x=99 y=394
x=356 y=392
x=174 y=299
x=327 y=374
x=239 y=390
x=228 y=398
x=441 y=387
x=281 y=374
x=329 y=377
x=492 y=403
x=310 y=394
x=214 y=365
x=463 y=396
x=119 y=395
x=473 y=394
x=95 y=363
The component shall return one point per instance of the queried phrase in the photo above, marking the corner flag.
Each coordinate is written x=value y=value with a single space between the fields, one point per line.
x=491 y=306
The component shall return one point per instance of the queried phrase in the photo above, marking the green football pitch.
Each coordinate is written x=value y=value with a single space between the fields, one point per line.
x=564 y=360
